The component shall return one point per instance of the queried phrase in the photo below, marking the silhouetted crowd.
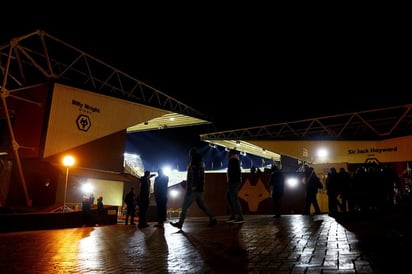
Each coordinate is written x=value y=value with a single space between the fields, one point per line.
x=370 y=188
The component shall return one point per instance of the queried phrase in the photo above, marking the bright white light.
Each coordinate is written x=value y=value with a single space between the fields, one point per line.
x=167 y=170
x=131 y=155
x=292 y=182
x=87 y=188
x=322 y=153
x=174 y=193
x=212 y=145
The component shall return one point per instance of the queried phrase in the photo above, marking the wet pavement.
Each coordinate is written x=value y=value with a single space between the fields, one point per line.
x=263 y=244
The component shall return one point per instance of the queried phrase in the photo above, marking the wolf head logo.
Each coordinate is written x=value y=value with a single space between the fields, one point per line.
x=253 y=194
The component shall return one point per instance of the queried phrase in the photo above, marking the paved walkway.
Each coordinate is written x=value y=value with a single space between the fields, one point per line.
x=290 y=244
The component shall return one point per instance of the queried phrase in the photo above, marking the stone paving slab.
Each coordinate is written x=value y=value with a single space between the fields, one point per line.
x=290 y=244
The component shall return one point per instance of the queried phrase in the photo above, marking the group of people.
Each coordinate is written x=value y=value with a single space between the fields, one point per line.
x=87 y=203
x=195 y=187
x=312 y=185
x=335 y=183
x=142 y=201
x=160 y=190
x=194 y=192
x=371 y=187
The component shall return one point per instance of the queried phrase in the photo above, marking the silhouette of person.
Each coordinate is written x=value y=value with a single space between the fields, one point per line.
x=130 y=200
x=91 y=199
x=195 y=186
x=277 y=188
x=234 y=179
x=161 y=184
x=332 y=187
x=100 y=210
x=390 y=182
x=86 y=209
x=311 y=180
x=144 y=199
x=100 y=206
x=344 y=188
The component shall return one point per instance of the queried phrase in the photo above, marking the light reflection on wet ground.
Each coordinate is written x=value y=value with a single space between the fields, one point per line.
x=293 y=243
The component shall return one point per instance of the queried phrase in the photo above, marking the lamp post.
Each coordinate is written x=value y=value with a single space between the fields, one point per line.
x=68 y=161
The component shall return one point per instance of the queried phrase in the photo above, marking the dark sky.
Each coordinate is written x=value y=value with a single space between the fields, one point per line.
x=241 y=66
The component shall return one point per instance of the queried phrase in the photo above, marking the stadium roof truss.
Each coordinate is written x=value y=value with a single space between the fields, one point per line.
x=376 y=124
x=39 y=57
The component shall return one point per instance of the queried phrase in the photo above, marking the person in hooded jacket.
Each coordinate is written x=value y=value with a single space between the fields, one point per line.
x=195 y=187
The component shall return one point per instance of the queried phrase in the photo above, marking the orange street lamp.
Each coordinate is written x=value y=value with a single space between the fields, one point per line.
x=68 y=161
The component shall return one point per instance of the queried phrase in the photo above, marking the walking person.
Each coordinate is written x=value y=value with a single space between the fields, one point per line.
x=312 y=184
x=161 y=185
x=195 y=187
x=277 y=188
x=332 y=188
x=234 y=180
x=144 y=196
x=130 y=200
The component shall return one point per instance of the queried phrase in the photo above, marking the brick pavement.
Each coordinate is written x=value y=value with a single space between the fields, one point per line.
x=290 y=244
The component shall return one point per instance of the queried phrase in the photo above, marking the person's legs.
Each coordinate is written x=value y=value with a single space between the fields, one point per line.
x=344 y=203
x=316 y=205
x=229 y=205
x=332 y=205
x=313 y=201
x=233 y=189
x=160 y=205
x=132 y=212
x=163 y=213
x=201 y=204
x=188 y=200
x=158 y=209
x=129 y=214
x=277 y=205
x=308 y=203
x=144 y=205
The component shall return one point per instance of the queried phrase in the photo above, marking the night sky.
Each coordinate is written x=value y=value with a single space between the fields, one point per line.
x=244 y=66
